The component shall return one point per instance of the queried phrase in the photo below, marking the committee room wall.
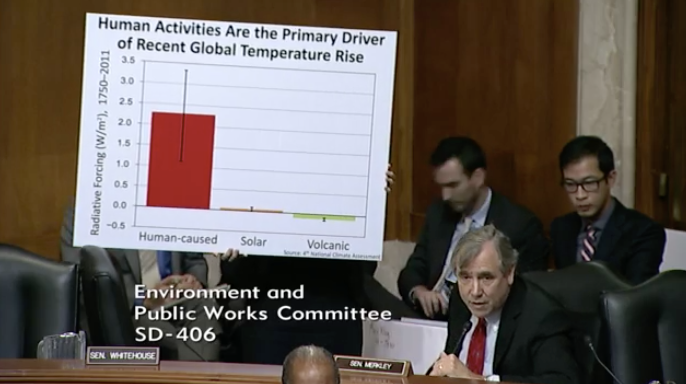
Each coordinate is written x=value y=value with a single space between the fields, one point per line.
x=40 y=77
x=505 y=73
x=661 y=113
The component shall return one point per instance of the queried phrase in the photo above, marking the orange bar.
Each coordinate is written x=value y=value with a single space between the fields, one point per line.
x=250 y=210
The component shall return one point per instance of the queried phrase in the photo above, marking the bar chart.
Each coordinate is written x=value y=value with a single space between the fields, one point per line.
x=254 y=148
x=274 y=141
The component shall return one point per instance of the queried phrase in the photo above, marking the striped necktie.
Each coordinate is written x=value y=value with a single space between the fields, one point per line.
x=588 y=245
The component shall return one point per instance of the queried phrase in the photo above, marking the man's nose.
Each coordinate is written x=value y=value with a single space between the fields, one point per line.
x=476 y=287
x=446 y=193
x=580 y=193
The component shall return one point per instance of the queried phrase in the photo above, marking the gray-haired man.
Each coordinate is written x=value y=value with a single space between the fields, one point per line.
x=502 y=328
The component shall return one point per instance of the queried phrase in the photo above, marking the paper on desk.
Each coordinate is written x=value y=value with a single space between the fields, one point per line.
x=402 y=340
x=430 y=323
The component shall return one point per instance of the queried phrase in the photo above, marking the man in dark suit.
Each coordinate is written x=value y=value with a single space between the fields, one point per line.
x=601 y=228
x=467 y=203
x=502 y=328
x=157 y=270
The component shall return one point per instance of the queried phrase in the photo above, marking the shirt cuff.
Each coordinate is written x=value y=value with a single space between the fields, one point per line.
x=411 y=294
x=493 y=378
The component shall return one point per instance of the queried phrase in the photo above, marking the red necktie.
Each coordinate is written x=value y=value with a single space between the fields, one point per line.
x=477 y=348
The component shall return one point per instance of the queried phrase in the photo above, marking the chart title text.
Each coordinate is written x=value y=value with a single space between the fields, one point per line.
x=238 y=41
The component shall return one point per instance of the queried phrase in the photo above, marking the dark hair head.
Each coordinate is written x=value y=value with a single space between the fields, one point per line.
x=464 y=149
x=309 y=354
x=584 y=146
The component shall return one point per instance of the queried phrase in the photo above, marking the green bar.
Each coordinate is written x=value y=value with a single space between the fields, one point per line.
x=323 y=217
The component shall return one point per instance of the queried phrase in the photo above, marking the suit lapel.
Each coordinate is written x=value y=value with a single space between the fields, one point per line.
x=568 y=237
x=508 y=322
x=446 y=232
x=134 y=260
x=611 y=234
x=494 y=210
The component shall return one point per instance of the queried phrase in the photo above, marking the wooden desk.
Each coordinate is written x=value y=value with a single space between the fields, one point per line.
x=174 y=372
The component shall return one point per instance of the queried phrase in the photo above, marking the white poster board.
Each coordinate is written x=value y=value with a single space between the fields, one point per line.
x=674 y=256
x=201 y=135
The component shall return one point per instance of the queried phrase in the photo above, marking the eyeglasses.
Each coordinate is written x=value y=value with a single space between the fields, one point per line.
x=587 y=185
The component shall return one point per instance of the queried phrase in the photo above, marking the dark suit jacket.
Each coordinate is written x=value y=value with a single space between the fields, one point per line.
x=129 y=260
x=533 y=343
x=329 y=284
x=425 y=265
x=631 y=243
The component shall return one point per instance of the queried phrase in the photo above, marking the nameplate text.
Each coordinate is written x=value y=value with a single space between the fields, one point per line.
x=370 y=365
x=123 y=356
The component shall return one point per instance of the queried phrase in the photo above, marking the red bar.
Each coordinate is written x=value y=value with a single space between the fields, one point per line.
x=180 y=165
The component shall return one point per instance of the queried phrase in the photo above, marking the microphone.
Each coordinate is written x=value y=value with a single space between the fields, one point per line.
x=589 y=343
x=465 y=328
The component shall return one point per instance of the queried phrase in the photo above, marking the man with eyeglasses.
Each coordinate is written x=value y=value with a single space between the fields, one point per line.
x=601 y=228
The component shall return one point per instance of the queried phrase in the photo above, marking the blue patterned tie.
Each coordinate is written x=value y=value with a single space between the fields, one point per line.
x=164 y=263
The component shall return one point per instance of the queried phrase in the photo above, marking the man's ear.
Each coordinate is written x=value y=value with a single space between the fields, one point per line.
x=510 y=275
x=479 y=177
x=612 y=178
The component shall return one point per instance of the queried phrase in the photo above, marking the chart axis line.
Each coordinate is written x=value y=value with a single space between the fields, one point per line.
x=285 y=172
x=277 y=192
x=278 y=151
x=283 y=130
x=261 y=88
x=140 y=138
x=369 y=159
x=258 y=109
x=259 y=67
x=257 y=211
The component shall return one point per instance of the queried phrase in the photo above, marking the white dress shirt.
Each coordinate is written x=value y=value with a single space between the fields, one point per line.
x=492 y=325
x=150 y=271
x=475 y=221
x=478 y=220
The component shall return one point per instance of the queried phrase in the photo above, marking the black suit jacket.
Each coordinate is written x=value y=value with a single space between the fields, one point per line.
x=328 y=284
x=631 y=243
x=533 y=343
x=425 y=265
x=129 y=259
